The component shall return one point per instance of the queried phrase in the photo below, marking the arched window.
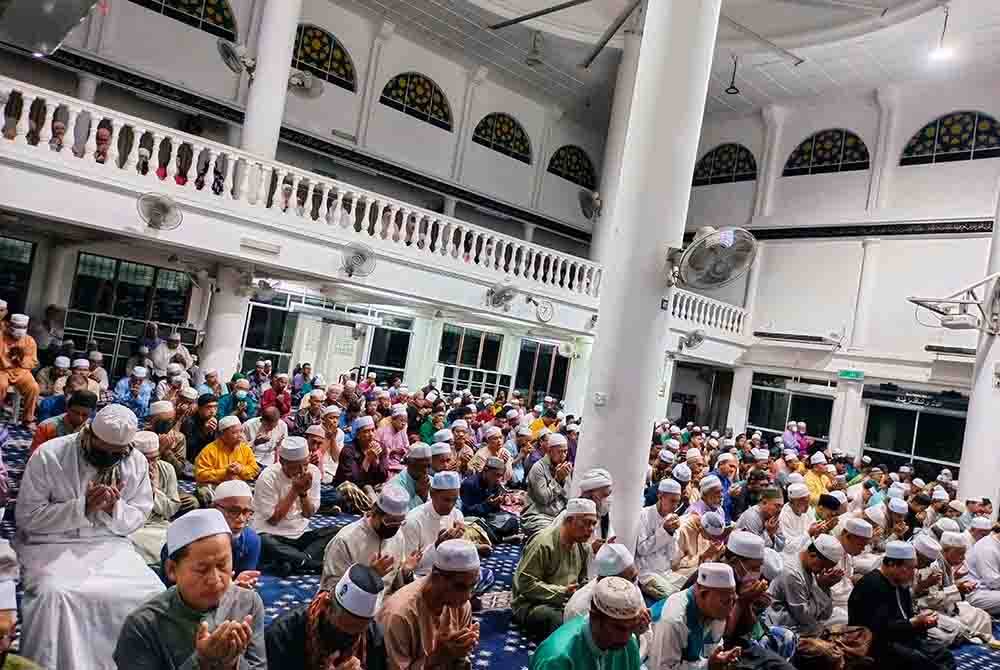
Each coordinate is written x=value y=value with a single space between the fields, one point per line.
x=571 y=163
x=831 y=150
x=321 y=53
x=414 y=94
x=213 y=16
x=503 y=133
x=959 y=136
x=725 y=163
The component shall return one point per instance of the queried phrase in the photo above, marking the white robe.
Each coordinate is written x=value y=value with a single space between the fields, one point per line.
x=670 y=637
x=421 y=527
x=983 y=561
x=82 y=576
x=265 y=451
x=795 y=528
x=654 y=548
x=956 y=618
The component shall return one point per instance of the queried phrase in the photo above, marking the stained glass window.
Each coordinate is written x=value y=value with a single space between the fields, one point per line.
x=831 y=150
x=959 y=136
x=212 y=16
x=573 y=164
x=725 y=163
x=414 y=94
x=322 y=54
x=503 y=133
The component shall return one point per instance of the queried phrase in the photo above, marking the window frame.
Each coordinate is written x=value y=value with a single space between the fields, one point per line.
x=766 y=430
x=728 y=178
x=935 y=156
x=592 y=176
x=461 y=345
x=492 y=142
x=529 y=392
x=326 y=74
x=405 y=108
x=840 y=166
x=918 y=411
x=198 y=23
x=19 y=303
x=151 y=297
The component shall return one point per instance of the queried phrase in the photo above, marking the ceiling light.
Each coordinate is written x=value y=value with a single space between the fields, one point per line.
x=731 y=89
x=942 y=52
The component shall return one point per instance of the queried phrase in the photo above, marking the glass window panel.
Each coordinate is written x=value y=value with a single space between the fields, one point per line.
x=491 y=351
x=133 y=293
x=940 y=437
x=133 y=328
x=525 y=365
x=557 y=385
x=892 y=461
x=78 y=320
x=505 y=381
x=173 y=293
x=768 y=409
x=106 y=324
x=774 y=381
x=470 y=348
x=890 y=429
x=464 y=374
x=15 y=272
x=450 y=338
x=814 y=411
x=270 y=330
x=389 y=348
x=541 y=386
x=397 y=322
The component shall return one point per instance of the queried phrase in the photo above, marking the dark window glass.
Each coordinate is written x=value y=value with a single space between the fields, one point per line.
x=491 y=351
x=470 y=348
x=15 y=272
x=280 y=362
x=773 y=381
x=451 y=336
x=814 y=411
x=389 y=348
x=560 y=371
x=890 y=429
x=173 y=289
x=525 y=366
x=768 y=409
x=134 y=291
x=270 y=330
x=542 y=370
x=940 y=437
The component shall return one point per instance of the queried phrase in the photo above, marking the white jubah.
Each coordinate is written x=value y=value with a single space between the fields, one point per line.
x=957 y=619
x=82 y=577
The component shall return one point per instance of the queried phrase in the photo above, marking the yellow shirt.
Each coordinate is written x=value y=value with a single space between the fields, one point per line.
x=210 y=466
x=817 y=485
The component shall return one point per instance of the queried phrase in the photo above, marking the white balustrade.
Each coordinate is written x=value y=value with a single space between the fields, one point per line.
x=282 y=193
x=714 y=316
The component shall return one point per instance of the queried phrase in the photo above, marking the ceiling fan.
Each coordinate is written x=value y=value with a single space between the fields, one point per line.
x=619 y=21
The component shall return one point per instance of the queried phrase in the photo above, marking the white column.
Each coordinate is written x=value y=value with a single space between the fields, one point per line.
x=752 y=289
x=667 y=384
x=617 y=129
x=476 y=77
x=866 y=294
x=224 y=327
x=887 y=99
x=980 y=458
x=773 y=163
x=739 y=399
x=648 y=218
x=576 y=383
x=449 y=205
x=86 y=87
x=529 y=231
x=371 y=79
x=266 y=99
x=542 y=161
x=847 y=421
x=62 y=263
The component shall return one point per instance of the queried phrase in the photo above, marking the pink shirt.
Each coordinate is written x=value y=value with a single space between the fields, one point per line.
x=396 y=445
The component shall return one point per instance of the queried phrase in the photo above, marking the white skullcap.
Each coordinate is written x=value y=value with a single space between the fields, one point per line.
x=460 y=423
x=115 y=424
x=705 y=429
x=832 y=469
x=713 y=523
x=981 y=523
x=756 y=434
x=233 y=488
x=594 y=479
x=350 y=384
x=957 y=506
x=8 y=596
x=796 y=478
x=227 y=422
x=420 y=450
x=725 y=458
x=919 y=483
x=669 y=486
x=19 y=320
x=355 y=599
x=612 y=559
x=61 y=362
x=666 y=456
x=773 y=565
x=710 y=482
x=443 y=435
x=512 y=414
x=211 y=371
x=393 y=500
x=682 y=472
x=492 y=431
x=946 y=525
x=927 y=546
x=894 y=492
x=894 y=476
x=716 y=576
x=81 y=363
x=760 y=454
x=174 y=369
x=523 y=431
x=953 y=539
x=318 y=394
x=399 y=410
x=829 y=547
x=96 y=356
x=675 y=430
x=572 y=428
x=618 y=598
x=798 y=491
x=317 y=430
x=189 y=393
x=791 y=455
x=858 y=527
x=382 y=393
x=946 y=472
x=581 y=506
x=791 y=424
x=746 y=544
x=693 y=453
x=817 y=458
x=363 y=422
x=939 y=494
x=160 y=407
x=866 y=460
x=840 y=495
x=193 y=526
x=904 y=469
x=876 y=513
x=439 y=448
x=456 y=556
x=331 y=409
x=147 y=442
x=898 y=549
x=673 y=444
x=446 y=481
x=556 y=440
x=898 y=505
x=294 y=448
x=715 y=434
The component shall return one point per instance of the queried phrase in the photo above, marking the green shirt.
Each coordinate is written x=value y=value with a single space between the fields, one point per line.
x=19 y=663
x=572 y=647
x=546 y=568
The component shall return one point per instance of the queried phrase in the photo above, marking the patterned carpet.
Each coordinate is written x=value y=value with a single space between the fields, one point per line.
x=503 y=644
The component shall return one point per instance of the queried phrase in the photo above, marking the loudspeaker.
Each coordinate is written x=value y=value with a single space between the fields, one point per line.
x=40 y=26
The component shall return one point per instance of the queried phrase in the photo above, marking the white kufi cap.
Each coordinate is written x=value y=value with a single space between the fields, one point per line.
x=981 y=523
x=193 y=526
x=227 y=422
x=898 y=505
x=818 y=457
x=160 y=407
x=746 y=544
x=354 y=599
x=897 y=549
x=443 y=435
x=393 y=500
x=713 y=524
x=682 y=473
x=669 y=486
x=439 y=448
x=594 y=479
x=773 y=564
x=294 y=448
x=829 y=547
x=446 y=481
x=456 y=556
x=115 y=424
x=618 y=598
x=147 y=442
x=951 y=539
x=798 y=491
x=233 y=488
x=612 y=559
x=581 y=506
x=858 y=527
x=419 y=450
x=927 y=546
x=716 y=576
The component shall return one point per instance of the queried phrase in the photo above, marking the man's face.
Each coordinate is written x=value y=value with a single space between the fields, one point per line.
x=204 y=573
x=727 y=469
x=712 y=498
x=365 y=436
x=212 y=379
x=698 y=441
x=172 y=344
x=495 y=443
x=439 y=463
x=77 y=415
x=270 y=415
x=238 y=511
x=954 y=556
x=279 y=384
x=399 y=422
x=667 y=502
x=331 y=422
x=557 y=454
x=315 y=442
x=853 y=544
x=581 y=526
x=900 y=574
x=770 y=508
x=231 y=436
x=977 y=534
x=715 y=603
x=293 y=469
x=208 y=410
x=799 y=505
x=444 y=500
x=609 y=633
x=417 y=467
x=454 y=588
x=492 y=477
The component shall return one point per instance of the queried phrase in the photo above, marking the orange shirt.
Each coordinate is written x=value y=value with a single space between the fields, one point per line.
x=29 y=352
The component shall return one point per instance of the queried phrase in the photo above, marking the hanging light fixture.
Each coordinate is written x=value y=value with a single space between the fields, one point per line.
x=942 y=52
x=732 y=90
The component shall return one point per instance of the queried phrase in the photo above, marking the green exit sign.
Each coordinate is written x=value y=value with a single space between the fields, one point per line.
x=852 y=375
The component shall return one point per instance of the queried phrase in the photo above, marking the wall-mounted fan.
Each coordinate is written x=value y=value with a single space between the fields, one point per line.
x=235 y=58
x=567 y=350
x=713 y=259
x=357 y=260
x=305 y=84
x=692 y=340
x=500 y=296
x=590 y=204
x=264 y=290
x=159 y=212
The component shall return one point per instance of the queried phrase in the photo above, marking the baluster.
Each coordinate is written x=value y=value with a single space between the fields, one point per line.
x=263 y=185
x=560 y=278
x=500 y=255
x=324 y=190
x=520 y=252
x=446 y=232
x=171 y=164
x=45 y=129
x=475 y=253
x=307 y=210
x=154 y=153
x=366 y=213
x=730 y=318
x=351 y=220
x=534 y=264
x=69 y=139
x=23 y=124
x=581 y=280
x=113 y=134
x=333 y=210
x=90 y=145
x=133 y=153
x=229 y=176
x=486 y=257
x=460 y=246
x=293 y=199
x=326 y=206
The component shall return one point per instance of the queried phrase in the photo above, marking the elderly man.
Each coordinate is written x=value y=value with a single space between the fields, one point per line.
x=173 y=445
x=817 y=479
x=278 y=395
x=710 y=500
x=428 y=623
x=797 y=521
x=727 y=469
x=689 y=632
x=800 y=597
x=350 y=637
x=437 y=518
x=519 y=447
x=286 y=496
x=657 y=544
x=762 y=519
x=18 y=357
x=239 y=403
x=493 y=446
x=165 y=353
x=463 y=445
x=983 y=561
x=700 y=539
x=482 y=496
x=81 y=497
x=603 y=640
x=228 y=457
x=442 y=455
x=414 y=478
x=310 y=414
x=854 y=537
x=149 y=539
x=135 y=392
x=947 y=595
x=612 y=560
x=170 y=386
x=978 y=528
x=49 y=375
x=211 y=383
x=265 y=433
x=552 y=567
x=80 y=366
x=882 y=602
x=79 y=408
x=394 y=439
x=364 y=462
x=206 y=620
x=548 y=488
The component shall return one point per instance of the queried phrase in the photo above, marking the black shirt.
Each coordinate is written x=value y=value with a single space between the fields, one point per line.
x=285 y=640
x=884 y=609
x=196 y=435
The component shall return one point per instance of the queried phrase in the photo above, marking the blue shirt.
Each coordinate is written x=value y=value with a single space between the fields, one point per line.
x=246 y=553
x=227 y=405
x=475 y=495
x=405 y=482
x=727 y=501
x=54 y=405
x=139 y=405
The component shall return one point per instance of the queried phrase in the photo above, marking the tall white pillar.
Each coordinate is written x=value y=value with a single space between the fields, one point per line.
x=617 y=129
x=579 y=370
x=647 y=219
x=86 y=87
x=887 y=99
x=867 y=286
x=227 y=316
x=774 y=121
x=847 y=421
x=62 y=262
x=465 y=128
x=385 y=33
x=739 y=399
x=266 y=99
x=542 y=162
x=667 y=384
x=980 y=457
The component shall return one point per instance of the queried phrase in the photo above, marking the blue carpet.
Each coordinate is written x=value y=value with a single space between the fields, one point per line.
x=503 y=644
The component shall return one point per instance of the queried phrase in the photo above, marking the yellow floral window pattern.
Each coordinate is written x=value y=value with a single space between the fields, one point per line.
x=416 y=95
x=573 y=164
x=725 y=163
x=831 y=150
x=504 y=134
x=959 y=136
x=215 y=17
x=322 y=54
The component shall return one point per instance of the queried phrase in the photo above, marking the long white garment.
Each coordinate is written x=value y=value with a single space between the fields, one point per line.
x=670 y=637
x=840 y=592
x=82 y=577
x=654 y=547
x=149 y=539
x=272 y=486
x=264 y=452
x=795 y=528
x=983 y=561
x=421 y=527
x=162 y=355
x=956 y=618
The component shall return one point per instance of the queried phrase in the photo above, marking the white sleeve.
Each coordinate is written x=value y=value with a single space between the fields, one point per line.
x=265 y=498
x=134 y=505
x=36 y=512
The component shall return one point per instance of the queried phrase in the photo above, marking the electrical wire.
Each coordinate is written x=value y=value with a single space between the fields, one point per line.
x=916 y=318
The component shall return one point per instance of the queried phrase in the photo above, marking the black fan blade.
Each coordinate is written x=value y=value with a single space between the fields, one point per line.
x=609 y=33
x=540 y=12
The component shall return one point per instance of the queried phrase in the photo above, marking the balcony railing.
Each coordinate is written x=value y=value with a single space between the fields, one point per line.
x=714 y=316
x=172 y=161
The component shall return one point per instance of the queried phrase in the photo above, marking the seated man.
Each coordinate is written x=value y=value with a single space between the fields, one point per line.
x=983 y=561
x=800 y=597
x=946 y=594
x=656 y=544
x=493 y=446
x=442 y=455
x=394 y=438
x=199 y=429
x=364 y=462
x=482 y=494
x=762 y=519
x=552 y=567
x=205 y=621
x=854 y=537
x=80 y=499
x=978 y=528
x=700 y=539
x=149 y=539
x=79 y=408
x=612 y=560
x=797 y=521
x=172 y=384
x=240 y=403
x=287 y=495
x=8 y=624
x=881 y=601
x=135 y=392
x=49 y=375
x=310 y=415
x=414 y=479
x=81 y=366
x=228 y=457
x=278 y=396
x=428 y=623
x=162 y=420
x=18 y=357
x=439 y=518
x=548 y=488
x=602 y=640
x=689 y=632
x=265 y=433
x=345 y=618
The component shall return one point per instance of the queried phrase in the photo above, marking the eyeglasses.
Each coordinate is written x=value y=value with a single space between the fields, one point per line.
x=236 y=512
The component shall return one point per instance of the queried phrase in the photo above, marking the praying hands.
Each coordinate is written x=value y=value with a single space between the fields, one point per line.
x=225 y=645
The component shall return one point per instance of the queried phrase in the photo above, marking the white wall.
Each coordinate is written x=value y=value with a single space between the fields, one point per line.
x=720 y=205
x=560 y=198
